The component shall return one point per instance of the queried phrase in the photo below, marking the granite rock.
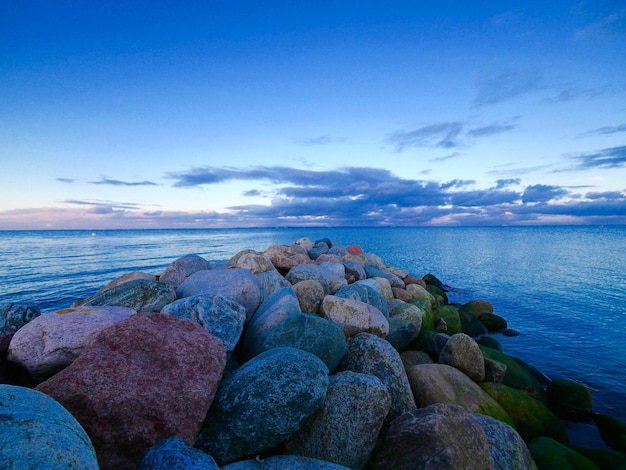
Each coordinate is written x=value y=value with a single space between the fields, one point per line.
x=141 y=295
x=354 y=316
x=182 y=268
x=462 y=352
x=14 y=315
x=174 y=454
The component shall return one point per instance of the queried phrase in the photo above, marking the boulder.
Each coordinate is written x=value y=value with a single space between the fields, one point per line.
x=132 y=276
x=369 y=354
x=364 y=293
x=373 y=272
x=52 y=341
x=409 y=312
x=10 y=372
x=493 y=322
x=326 y=274
x=310 y=294
x=141 y=295
x=612 y=430
x=462 y=353
x=471 y=325
x=36 y=432
x=255 y=262
x=182 y=268
x=354 y=250
x=354 y=271
x=440 y=383
x=549 y=454
x=437 y=436
x=221 y=316
x=269 y=282
x=603 y=458
x=354 y=316
x=401 y=333
x=451 y=316
x=507 y=448
x=415 y=358
x=14 y=315
x=237 y=283
x=305 y=243
x=531 y=417
x=345 y=428
x=174 y=454
x=490 y=342
x=569 y=400
x=477 y=308
x=139 y=381
x=283 y=462
x=286 y=257
x=262 y=403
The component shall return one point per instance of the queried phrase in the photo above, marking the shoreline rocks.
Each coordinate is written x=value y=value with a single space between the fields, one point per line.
x=313 y=354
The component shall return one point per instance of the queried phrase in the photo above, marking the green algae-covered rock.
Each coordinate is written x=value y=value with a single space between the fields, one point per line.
x=438 y=293
x=569 y=400
x=493 y=322
x=603 y=458
x=548 y=454
x=425 y=342
x=490 y=342
x=471 y=325
x=612 y=430
x=531 y=417
x=516 y=376
x=450 y=315
x=477 y=308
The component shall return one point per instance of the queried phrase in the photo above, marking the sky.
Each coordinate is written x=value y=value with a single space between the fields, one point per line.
x=202 y=114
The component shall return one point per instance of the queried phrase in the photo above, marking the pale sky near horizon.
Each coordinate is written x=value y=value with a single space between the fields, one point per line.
x=273 y=113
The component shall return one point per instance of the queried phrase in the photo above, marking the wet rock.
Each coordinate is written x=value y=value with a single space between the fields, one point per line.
x=36 y=432
x=415 y=358
x=401 y=333
x=569 y=400
x=612 y=430
x=182 y=268
x=14 y=315
x=53 y=341
x=262 y=403
x=269 y=282
x=451 y=316
x=345 y=428
x=548 y=454
x=139 y=381
x=140 y=295
x=462 y=353
x=493 y=322
x=477 y=308
x=132 y=276
x=174 y=454
x=354 y=316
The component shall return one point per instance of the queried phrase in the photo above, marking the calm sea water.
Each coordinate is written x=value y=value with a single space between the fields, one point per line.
x=563 y=288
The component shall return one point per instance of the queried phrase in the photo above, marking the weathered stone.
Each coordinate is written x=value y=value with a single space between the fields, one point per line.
x=612 y=430
x=440 y=383
x=462 y=352
x=310 y=294
x=494 y=370
x=354 y=316
x=420 y=293
x=345 y=428
x=139 y=381
x=369 y=354
x=415 y=358
x=51 y=342
x=493 y=322
x=140 y=295
x=477 y=307
x=269 y=282
x=354 y=250
x=364 y=293
x=402 y=294
x=36 y=432
x=401 y=333
x=384 y=287
x=323 y=273
x=490 y=342
x=569 y=400
x=174 y=454
x=337 y=250
x=221 y=316
x=262 y=403
x=255 y=262
x=132 y=276
x=14 y=315
x=471 y=325
x=182 y=268
x=507 y=448
x=305 y=243
x=237 y=283
x=531 y=417
x=354 y=271
x=451 y=316
x=438 y=436
x=414 y=280
x=548 y=454
x=286 y=257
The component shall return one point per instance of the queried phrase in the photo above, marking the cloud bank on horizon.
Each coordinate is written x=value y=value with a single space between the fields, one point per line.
x=204 y=115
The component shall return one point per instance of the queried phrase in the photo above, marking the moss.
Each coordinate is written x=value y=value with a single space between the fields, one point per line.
x=549 y=455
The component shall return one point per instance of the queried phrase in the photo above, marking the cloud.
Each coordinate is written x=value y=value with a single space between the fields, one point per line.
x=574 y=93
x=66 y=180
x=103 y=205
x=112 y=182
x=606 y=130
x=440 y=135
x=542 y=193
x=614 y=157
x=321 y=140
x=504 y=183
x=492 y=129
x=506 y=86
x=614 y=22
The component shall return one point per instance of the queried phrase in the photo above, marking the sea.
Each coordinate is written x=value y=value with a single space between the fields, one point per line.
x=562 y=287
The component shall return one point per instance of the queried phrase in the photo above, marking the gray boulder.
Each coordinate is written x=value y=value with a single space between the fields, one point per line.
x=365 y=294
x=310 y=294
x=182 y=268
x=141 y=295
x=462 y=352
x=269 y=282
x=14 y=315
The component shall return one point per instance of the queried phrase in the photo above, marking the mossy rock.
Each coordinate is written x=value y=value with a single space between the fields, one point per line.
x=477 y=308
x=612 y=430
x=427 y=313
x=425 y=342
x=471 y=325
x=548 y=454
x=569 y=400
x=603 y=458
x=451 y=316
x=438 y=293
x=493 y=322
x=531 y=417
x=490 y=342
x=517 y=376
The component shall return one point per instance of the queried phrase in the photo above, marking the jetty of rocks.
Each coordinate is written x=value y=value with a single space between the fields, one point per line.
x=311 y=356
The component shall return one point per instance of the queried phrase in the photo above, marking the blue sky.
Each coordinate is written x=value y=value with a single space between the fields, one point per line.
x=257 y=113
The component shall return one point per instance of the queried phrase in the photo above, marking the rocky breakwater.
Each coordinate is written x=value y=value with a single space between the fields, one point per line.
x=312 y=356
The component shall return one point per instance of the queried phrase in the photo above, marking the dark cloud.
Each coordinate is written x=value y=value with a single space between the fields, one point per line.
x=506 y=86
x=442 y=135
x=607 y=195
x=112 y=182
x=252 y=192
x=542 y=193
x=614 y=157
x=504 y=183
x=607 y=130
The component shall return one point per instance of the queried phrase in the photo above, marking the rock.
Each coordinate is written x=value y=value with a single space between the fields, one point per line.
x=369 y=354
x=569 y=400
x=414 y=280
x=494 y=371
x=477 y=308
x=52 y=342
x=139 y=381
x=394 y=280
x=531 y=417
x=354 y=271
x=132 y=276
x=421 y=297
x=10 y=372
x=471 y=325
x=37 y=432
x=507 y=448
x=603 y=458
x=490 y=342
x=549 y=454
x=408 y=312
x=451 y=316
x=324 y=274
x=462 y=353
x=612 y=430
x=140 y=295
x=305 y=243
x=269 y=282
x=441 y=383
x=439 y=294
x=384 y=287
x=286 y=257
x=283 y=462
x=438 y=436
x=344 y=430
x=439 y=342
x=182 y=268
x=14 y=315
x=425 y=342
x=354 y=316
x=354 y=250
x=173 y=454
x=337 y=250
x=220 y=316
x=364 y=293
x=237 y=283
x=325 y=241
x=401 y=333
x=493 y=322
x=318 y=250
x=262 y=403
x=402 y=294
x=310 y=294
x=414 y=358
x=255 y=262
